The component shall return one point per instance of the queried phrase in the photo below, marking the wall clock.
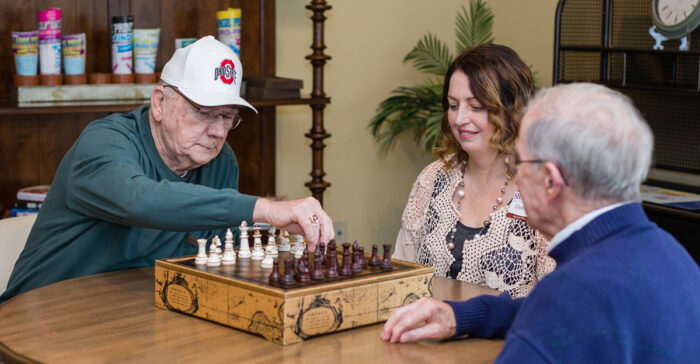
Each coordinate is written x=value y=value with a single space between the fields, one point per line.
x=674 y=19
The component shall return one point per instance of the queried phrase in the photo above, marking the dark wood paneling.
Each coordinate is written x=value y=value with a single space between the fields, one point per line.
x=32 y=143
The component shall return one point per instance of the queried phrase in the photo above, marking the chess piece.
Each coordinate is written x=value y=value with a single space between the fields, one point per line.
x=267 y=261
x=288 y=277
x=356 y=263
x=218 y=245
x=229 y=236
x=258 y=252
x=317 y=273
x=201 y=257
x=213 y=260
x=386 y=262
x=332 y=260
x=303 y=268
x=321 y=251
x=284 y=241
x=244 y=251
x=363 y=258
x=345 y=268
x=299 y=246
x=374 y=259
x=275 y=276
x=355 y=246
x=271 y=244
x=229 y=257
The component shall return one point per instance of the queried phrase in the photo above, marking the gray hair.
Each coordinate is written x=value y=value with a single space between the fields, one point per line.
x=596 y=137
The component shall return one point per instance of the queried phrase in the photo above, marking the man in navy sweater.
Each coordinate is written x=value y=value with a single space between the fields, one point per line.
x=624 y=290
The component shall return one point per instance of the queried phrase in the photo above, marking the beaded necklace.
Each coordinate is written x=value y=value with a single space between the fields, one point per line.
x=460 y=194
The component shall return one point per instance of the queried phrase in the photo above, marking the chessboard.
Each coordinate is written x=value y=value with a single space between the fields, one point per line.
x=301 y=296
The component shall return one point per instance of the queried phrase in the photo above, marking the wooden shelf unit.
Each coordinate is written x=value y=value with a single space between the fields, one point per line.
x=34 y=139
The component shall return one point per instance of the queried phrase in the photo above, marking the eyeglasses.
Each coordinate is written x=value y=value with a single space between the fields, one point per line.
x=231 y=119
x=513 y=167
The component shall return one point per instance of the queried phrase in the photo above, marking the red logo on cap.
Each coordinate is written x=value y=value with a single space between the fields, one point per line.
x=226 y=72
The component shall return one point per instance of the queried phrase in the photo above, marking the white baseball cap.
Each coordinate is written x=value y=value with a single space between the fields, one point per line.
x=207 y=72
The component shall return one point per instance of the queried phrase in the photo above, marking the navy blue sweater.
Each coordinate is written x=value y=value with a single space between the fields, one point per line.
x=624 y=291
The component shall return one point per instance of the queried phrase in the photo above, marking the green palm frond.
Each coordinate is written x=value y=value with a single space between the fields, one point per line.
x=409 y=111
x=430 y=55
x=475 y=27
x=416 y=111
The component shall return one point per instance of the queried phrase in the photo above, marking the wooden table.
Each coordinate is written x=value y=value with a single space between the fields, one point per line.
x=111 y=317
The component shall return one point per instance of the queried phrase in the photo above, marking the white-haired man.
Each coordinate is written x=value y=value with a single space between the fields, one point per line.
x=134 y=187
x=623 y=290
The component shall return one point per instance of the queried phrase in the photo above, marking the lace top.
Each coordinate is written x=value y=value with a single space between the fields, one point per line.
x=510 y=257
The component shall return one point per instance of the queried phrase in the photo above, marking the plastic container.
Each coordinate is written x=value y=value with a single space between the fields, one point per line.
x=49 y=22
x=25 y=47
x=183 y=42
x=145 y=50
x=122 y=44
x=73 y=54
x=228 y=24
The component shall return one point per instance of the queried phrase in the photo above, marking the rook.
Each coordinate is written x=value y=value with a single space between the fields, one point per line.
x=346 y=269
x=202 y=252
x=386 y=262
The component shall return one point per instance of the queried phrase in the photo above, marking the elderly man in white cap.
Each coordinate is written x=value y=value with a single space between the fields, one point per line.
x=135 y=187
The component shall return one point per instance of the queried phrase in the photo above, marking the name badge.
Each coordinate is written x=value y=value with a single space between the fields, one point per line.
x=516 y=209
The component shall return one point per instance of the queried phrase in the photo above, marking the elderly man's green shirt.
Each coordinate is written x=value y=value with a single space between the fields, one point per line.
x=114 y=204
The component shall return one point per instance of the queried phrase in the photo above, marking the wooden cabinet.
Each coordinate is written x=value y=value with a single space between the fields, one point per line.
x=33 y=140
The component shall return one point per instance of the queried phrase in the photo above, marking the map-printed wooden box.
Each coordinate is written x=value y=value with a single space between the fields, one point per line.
x=240 y=296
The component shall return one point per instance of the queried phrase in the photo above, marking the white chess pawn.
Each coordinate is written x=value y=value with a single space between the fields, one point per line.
x=284 y=241
x=201 y=257
x=258 y=252
x=271 y=245
x=299 y=246
x=229 y=257
x=213 y=260
x=267 y=261
x=244 y=251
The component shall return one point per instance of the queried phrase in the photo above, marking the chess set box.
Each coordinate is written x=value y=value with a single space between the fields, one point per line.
x=244 y=296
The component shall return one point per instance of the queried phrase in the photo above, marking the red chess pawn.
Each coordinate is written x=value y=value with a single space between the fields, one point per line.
x=331 y=260
x=275 y=276
x=346 y=268
x=356 y=261
x=386 y=262
x=363 y=258
x=317 y=273
x=288 y=277
x=374 y=259
x=303 y=268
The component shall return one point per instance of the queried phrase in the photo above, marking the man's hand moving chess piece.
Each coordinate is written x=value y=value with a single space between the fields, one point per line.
x=305 y=216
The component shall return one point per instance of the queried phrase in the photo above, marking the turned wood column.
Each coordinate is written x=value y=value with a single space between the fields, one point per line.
x=317 y=133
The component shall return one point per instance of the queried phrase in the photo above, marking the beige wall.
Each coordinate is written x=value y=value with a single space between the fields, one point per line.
x=367 y=40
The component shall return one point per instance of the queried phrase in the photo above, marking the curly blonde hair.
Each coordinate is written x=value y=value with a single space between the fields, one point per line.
x=502 y=83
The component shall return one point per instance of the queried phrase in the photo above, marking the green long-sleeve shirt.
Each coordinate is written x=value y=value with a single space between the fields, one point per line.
x=114 y=204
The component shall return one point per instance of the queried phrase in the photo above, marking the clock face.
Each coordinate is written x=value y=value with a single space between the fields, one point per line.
x=672 y=12
x=675 y=18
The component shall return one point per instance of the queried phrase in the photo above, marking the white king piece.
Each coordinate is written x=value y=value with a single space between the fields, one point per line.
x=245 y=247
